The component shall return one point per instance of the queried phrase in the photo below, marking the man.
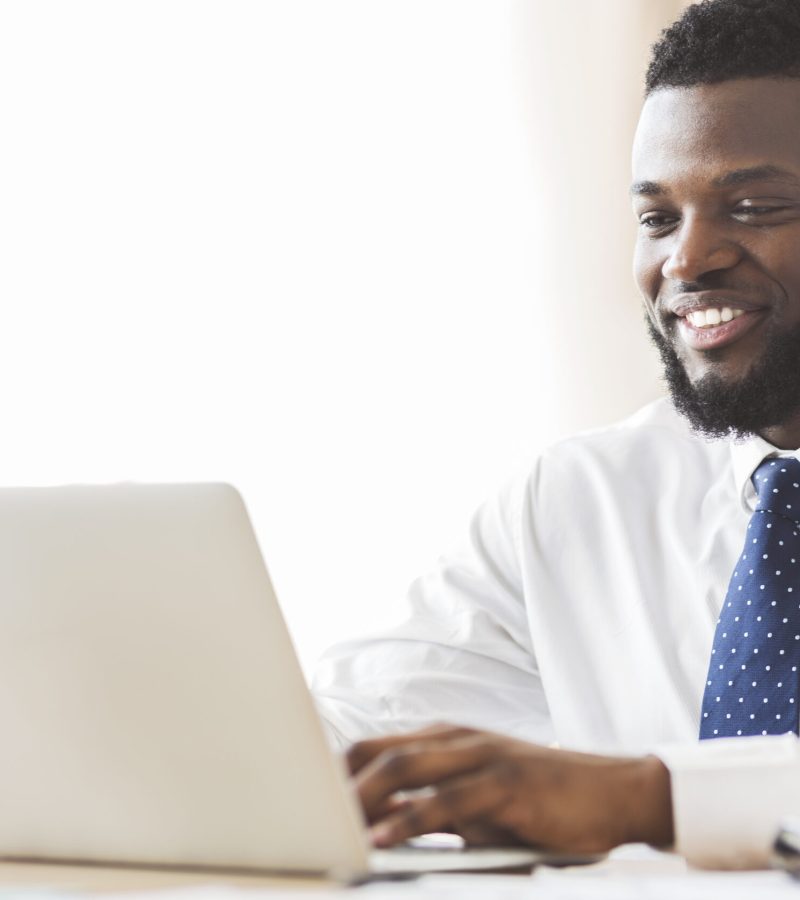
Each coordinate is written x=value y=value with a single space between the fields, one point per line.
x=640 y=587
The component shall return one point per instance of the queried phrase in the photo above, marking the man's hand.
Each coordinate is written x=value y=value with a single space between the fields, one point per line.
x=494 y=789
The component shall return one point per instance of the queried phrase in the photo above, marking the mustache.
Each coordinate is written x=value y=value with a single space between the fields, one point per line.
x=689 y=294
x=716 y=281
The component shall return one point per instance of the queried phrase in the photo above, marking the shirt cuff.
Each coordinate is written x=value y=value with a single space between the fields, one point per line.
x=729 y=796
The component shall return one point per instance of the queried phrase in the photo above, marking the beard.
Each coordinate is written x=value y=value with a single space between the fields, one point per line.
x=715 y=407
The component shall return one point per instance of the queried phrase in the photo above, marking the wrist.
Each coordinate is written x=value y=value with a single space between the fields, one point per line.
x=650 y=803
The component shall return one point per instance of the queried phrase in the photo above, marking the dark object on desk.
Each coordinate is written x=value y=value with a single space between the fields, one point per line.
x=786 y=849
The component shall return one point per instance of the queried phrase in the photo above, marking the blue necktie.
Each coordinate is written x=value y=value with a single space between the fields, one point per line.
x=752 y=682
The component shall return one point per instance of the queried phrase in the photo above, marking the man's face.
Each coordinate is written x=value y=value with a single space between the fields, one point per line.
x=716 y=191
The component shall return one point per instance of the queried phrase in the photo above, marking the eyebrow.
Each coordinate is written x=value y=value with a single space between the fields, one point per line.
x=729 y=179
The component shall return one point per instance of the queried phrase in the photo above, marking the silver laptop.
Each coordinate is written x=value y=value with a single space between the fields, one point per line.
x=153 y=710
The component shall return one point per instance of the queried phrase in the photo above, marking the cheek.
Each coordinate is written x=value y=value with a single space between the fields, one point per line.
x=647 y=272
x=788 y=283
x=772 y=258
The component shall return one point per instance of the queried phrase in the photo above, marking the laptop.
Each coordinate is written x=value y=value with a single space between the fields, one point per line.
x=154 y=711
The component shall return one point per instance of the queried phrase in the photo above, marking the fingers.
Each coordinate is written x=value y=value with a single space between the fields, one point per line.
x=479 y=834
x=363 y=752
x=417 y=765
x=463 y=800
x=392 y=804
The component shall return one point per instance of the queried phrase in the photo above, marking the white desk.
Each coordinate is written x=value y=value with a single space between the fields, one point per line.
x=632 y=874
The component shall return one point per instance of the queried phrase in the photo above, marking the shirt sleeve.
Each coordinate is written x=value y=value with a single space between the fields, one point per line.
x=463 y=655
x=729 y=796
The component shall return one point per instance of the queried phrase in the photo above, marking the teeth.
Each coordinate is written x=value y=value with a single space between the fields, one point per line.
x=708 y=318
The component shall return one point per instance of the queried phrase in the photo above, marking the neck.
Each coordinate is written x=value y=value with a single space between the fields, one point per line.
x=785 y=436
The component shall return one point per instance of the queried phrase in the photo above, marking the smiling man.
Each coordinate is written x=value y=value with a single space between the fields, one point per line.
x=717 y=195
x=621 y=631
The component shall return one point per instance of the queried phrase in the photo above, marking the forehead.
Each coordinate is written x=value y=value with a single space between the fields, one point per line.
x=702 y=131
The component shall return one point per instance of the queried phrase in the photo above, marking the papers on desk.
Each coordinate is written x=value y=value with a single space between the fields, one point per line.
x=690 y=885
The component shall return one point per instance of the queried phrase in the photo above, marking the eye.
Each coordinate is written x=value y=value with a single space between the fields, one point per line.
x=656 y=220
x=757 y=210
x=754 y=210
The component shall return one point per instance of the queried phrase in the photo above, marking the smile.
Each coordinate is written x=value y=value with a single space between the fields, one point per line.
x=709 y=318
x=707 y=329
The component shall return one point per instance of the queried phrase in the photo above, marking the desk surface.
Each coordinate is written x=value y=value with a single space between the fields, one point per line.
x=632 y=874
x=101 y=879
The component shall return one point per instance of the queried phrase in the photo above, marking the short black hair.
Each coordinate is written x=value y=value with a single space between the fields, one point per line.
x=717 y=40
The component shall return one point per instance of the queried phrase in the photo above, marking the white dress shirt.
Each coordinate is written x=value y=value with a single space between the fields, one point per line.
x=581 y=611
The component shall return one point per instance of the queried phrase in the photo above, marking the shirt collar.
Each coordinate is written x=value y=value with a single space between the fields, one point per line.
x=746 y=456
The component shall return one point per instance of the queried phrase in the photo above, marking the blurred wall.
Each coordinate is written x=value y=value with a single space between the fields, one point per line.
x=360 y=258
x=581 y=66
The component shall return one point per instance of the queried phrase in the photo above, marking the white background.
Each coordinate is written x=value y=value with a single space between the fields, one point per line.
x=307 y=247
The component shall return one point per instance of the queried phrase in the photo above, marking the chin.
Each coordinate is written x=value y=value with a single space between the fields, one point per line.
x=722 y=398
x=725 y=376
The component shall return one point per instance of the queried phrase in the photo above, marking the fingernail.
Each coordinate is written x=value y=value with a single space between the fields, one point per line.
x=381 y=835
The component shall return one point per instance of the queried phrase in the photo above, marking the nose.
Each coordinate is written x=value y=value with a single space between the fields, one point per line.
x=699 y=246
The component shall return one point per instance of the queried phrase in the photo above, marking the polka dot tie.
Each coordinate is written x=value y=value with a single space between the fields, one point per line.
x=752 y=683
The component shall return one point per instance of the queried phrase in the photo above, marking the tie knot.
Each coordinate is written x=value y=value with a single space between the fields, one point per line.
x=777 y=482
